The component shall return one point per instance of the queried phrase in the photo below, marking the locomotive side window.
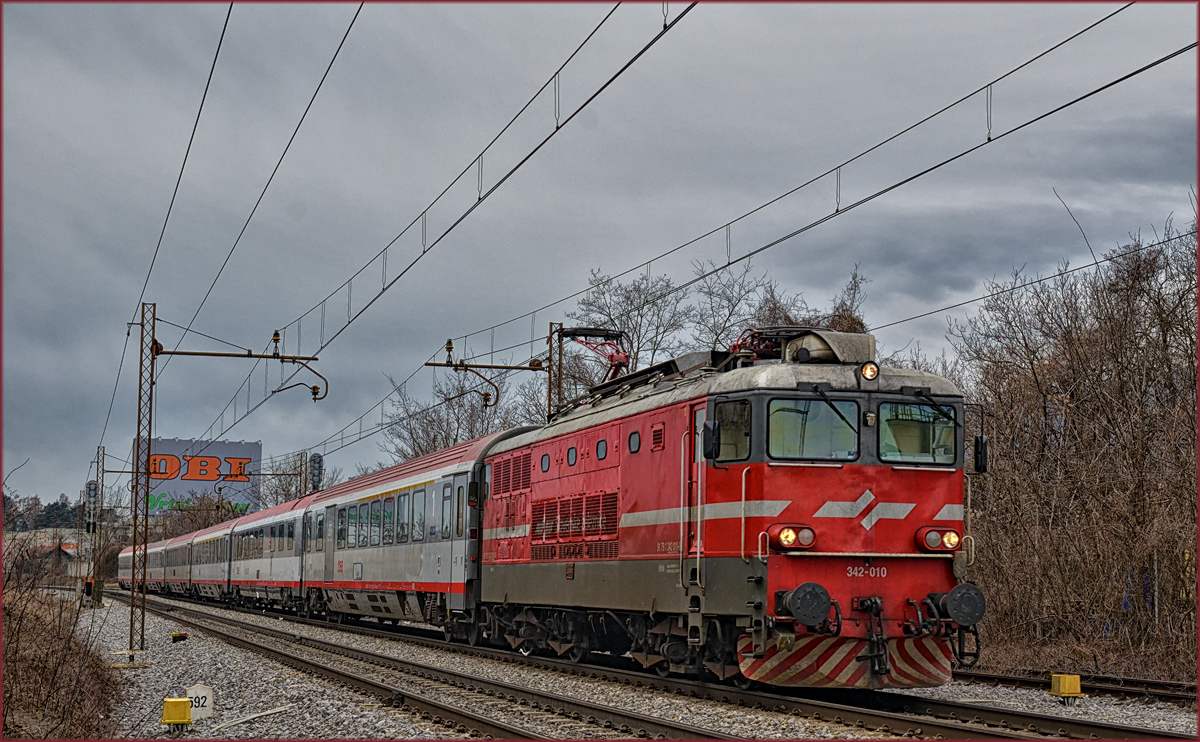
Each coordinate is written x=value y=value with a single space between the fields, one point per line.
x=364 y=519
x=812 y=429
x=389 y=511
x=601 y=449
x=571 y=456
x=320 y=531
x=635 y=441
x=545 y=462
x=418 y=519
x=916 y=434
x=447 y=511
x=402 y=519
x=734 y=418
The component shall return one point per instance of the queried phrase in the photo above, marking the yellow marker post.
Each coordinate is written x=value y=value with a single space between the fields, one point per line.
x=177 y=713
x=1066 y=687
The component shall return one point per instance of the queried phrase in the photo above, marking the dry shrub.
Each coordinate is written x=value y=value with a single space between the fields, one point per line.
x=56 y=685
x=1086 y=524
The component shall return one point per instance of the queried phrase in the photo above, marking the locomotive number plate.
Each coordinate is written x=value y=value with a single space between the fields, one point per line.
x=866 y=571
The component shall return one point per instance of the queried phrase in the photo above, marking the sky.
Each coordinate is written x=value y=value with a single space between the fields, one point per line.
x=732 y=107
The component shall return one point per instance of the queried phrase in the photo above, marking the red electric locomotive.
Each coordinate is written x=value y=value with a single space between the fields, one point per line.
x=787 y=512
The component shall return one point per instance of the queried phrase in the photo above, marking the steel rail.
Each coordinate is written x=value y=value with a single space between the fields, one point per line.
x=1168 y=690
x=610 y=718
x=439 y=711
x=892 y=711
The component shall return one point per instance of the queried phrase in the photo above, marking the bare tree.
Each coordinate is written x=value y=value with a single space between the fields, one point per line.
x=1087 y=519
x=650 y=310
x=457 y=414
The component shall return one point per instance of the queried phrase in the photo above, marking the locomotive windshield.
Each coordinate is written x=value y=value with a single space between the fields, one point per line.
x=812 y=429
x=916 y=433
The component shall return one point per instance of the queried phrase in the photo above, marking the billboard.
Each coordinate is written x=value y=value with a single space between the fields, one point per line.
x=183 y=469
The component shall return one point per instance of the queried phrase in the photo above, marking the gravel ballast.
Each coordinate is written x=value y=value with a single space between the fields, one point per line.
x=243 y=684
x=719 y=716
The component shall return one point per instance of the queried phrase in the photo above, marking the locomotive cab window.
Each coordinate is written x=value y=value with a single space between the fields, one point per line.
x=812 y=429
x=917 y=434
x=734 y=417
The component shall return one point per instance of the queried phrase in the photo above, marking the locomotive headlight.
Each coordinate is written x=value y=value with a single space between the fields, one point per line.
x=787 y=536
x=869 y=370
x=806 y=536
x=933 y=539
x=949 y=539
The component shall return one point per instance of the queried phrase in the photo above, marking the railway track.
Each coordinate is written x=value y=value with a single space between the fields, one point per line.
x=1164 y=690
x=438 y=693
x=893 y=712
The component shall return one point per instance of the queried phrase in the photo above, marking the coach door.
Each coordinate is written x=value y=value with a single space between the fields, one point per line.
x=330 y=535
x=459 y=526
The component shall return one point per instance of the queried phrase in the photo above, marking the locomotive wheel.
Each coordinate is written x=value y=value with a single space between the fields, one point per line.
x=474 y=635
x=663 y=669
x=742 y=682
x=577 y=653
x=526 y=649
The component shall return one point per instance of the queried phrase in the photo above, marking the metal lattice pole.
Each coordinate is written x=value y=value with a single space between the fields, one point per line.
x=98 y=515
x=140 y=500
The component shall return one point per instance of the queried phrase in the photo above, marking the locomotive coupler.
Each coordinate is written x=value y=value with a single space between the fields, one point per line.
x=877 y=651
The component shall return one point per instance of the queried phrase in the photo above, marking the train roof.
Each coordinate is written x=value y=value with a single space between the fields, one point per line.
x=696 y=375
x=219 y=529
x=272 y=512
x=455 y=458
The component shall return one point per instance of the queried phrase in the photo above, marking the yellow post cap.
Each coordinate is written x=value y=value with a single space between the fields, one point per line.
x=177 y=711
x=1065 y=686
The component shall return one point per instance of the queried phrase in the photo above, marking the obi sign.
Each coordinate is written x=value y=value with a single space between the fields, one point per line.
x=182 y=470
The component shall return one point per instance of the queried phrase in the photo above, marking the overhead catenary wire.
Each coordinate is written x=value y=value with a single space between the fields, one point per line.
x=163 y=231
x=483 y=196
x=884 y=191
x=835 y=169
x=726 y=226
x=271 y=178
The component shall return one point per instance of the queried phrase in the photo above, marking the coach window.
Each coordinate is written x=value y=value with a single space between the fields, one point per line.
x=418 y=516
x=601 y=449
x=341 y=528
x=734 y=418
x=364 y=518
x=260 y=541
x=389 y=520
x=306 y=536
x=376 y=522
x=402 y=519
x=462 y=506
x=291 y=546
x=271 y=540
x=571 y=456
x=635 y=441
x=447 y=511
x=320 y=531
x=545 y=462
